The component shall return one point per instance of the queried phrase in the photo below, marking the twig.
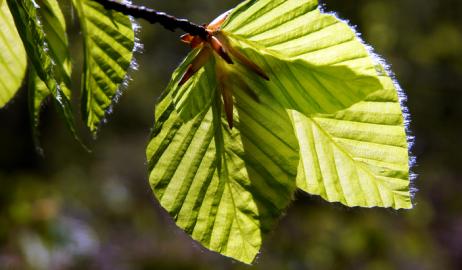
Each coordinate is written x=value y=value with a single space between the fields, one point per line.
x=153 y=16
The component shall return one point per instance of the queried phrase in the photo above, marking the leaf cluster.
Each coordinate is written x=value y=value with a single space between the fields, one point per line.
x=35 y=40
x=326 y=118
x=279 y=96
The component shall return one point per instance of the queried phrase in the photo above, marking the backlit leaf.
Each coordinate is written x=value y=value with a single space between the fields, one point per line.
x=226 y=188
x=315 y=62
x=109 y=42
x=42 y=59
x=12 y=57
x=54 y=26
x=358 y=156
x=300 y=86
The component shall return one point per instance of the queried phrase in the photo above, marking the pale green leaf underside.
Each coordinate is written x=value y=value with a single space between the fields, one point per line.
x=13 y=59
x=225 y=188
x=109 y=42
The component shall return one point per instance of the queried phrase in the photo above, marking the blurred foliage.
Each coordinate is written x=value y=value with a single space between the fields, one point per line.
x=74 y=210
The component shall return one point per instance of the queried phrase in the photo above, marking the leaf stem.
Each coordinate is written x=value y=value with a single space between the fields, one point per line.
x=153 y=16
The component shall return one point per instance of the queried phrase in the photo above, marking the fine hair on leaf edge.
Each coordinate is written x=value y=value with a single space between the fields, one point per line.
x=379 y=60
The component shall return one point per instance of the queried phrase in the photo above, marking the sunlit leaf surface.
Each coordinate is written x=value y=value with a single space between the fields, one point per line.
x=300 y=88
x=225 y=187
x=41 y=57
x=54 y=26
x=109 y=42
x=12 y=56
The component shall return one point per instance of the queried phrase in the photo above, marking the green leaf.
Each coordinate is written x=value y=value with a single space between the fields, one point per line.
x=328 y=105
x=12 y=57
x=323 y=66
x=358 y=156
x=315 y=62
x=54 y=26
x=37 y=93
x=194 y=96
x=36 y=44
x=226 y=188
x=109 y=42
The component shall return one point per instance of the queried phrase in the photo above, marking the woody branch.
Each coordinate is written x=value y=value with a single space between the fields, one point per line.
x=153 y=16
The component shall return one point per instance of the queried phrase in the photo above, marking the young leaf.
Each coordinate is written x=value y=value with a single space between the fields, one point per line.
x=202 y=85
x=358 y=156
x=226 y=188
x=54 y=26
x=36 y=44
x=370 y=165
x=315 y=62
x=12 y=57
x=109 y=41
x=292 y=79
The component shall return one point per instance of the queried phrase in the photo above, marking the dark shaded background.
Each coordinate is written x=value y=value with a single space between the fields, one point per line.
x=74 y=210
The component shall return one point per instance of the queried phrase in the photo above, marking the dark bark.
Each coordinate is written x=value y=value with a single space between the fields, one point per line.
x=153 y=16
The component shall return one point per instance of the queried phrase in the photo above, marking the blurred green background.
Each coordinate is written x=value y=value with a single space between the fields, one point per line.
x=75 y=210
